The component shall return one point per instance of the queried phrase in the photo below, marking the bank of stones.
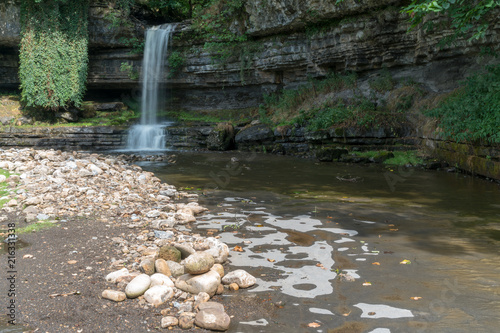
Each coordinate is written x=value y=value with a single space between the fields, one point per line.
x=49 y=185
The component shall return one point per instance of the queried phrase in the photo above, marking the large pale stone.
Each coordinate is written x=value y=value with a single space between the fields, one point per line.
x=212 y=317
x=159 y=279
x=138 y=286
x=158 y=295
x=242 y=278
x=198 y=263
x=194 y=284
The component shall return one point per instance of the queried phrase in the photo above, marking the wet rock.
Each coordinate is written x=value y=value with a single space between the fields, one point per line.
x=111 y=277
x=162 y=267
x=114 y=295
x=328 y=154
x=381 y=156
x=169 y=321
x=242 y=278
x=159 y=294
x=194 y=284
x=212 y=317
x=159 y=279
x=169 y=253
x=186 y=320
x=138 y=286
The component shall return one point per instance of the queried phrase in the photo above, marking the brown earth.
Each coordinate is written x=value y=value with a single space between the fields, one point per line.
x=43 y=280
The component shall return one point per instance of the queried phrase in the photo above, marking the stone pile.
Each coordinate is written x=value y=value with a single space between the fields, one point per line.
x=158 y=265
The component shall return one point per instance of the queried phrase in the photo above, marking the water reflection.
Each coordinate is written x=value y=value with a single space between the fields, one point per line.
x=331 y=250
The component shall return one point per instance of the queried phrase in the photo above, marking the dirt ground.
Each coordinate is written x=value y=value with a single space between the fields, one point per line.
x=53 y=270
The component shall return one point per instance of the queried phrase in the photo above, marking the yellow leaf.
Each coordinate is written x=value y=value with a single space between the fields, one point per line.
x=313 y=325
x=405 y=262
x=367 y=284
x=416 y=298
x=238 y=248
x=271 y=260
x=376 y=263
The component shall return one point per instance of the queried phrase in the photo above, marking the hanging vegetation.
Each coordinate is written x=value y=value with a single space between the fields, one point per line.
x=54 y=53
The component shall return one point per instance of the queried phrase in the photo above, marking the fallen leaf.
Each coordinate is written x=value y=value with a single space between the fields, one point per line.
x=346 y=314
x=367 y=284
x=238 y=248
x=416 y=298
x=313 y=325
x=27 y=256
x=405 y=262
x=376 y=263
x=393 y=229
x=371 y=313
x=271 y=260
x=72 y=262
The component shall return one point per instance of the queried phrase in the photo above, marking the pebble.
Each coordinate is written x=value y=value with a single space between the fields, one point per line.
x=169 y=321
x=186 y=320
x=114 y=295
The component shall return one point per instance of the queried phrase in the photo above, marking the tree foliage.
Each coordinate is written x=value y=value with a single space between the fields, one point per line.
x=464 y=15
x=53 y=52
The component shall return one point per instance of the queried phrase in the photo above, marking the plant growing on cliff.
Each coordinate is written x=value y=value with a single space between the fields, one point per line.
x=175 y=63
x=463 y=16
x=54 y=52
x=472 y=113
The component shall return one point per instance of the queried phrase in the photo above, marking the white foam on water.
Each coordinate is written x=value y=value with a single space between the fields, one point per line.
x=375 y=311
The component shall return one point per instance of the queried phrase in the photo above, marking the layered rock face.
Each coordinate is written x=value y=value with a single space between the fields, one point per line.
x=293 y=40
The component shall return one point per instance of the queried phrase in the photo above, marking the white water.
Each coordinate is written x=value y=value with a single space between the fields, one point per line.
x=149 y=134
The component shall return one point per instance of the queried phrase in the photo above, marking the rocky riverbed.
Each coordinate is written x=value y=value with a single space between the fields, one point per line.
x=149 y=264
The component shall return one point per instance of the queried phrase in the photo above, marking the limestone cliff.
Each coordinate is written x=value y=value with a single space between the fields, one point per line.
x=291 y=41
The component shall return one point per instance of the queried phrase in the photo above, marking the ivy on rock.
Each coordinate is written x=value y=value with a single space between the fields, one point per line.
x=53 y=53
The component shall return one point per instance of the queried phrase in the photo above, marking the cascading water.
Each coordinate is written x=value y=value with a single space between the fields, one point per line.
x=149 y=134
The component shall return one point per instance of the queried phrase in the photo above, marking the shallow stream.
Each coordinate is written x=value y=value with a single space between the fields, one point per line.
x=351 y=248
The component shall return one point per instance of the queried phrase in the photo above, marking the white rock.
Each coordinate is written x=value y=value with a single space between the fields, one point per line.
x=242 y=278
x=153 y=213
x=2 y=178
x=138 y=286
x=169 y=321
x=194 y=284
x=158 y=279
x=218 y=250
x=158 y=294
x=111 y=277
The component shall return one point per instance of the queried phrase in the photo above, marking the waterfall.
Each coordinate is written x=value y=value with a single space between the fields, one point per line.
x=150 y=134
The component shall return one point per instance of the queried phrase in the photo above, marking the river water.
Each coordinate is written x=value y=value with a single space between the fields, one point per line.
x=351 y=248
